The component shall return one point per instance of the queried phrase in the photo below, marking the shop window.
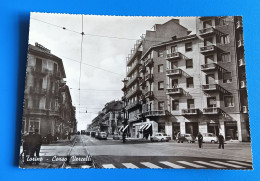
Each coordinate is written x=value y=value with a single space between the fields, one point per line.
x=160 y=68
x=224 y=39
x=189 y=63
x=227 y=77
x=175 y=105
x=160 y=85
x=188 y=46
x=161 y=105
x=229 y=101
x=225 y=57
x=190 y=82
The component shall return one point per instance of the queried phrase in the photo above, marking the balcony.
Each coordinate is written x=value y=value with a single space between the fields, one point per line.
x=133 y=105
x=124 y=88
x=208 y=49
x=149 y=95
x=207 y=32
x=154 y=113
x=210 y=87
x=243 y=84
x=133 y=67
x=211 y=110
x=209 y=67
x=148 y=62
x=174 y=91
x=35 y=111
x=36 y=90
x=241 y=62
x=133 y=80
x=133 y=92
x=56 y=75
x=173 y=56
x=136 y=51
x=54 y=93
x=174 y=72
x=39 y=71
x=142 y=68
x=54 y=113
x=240 y=43
x=149 y=77
x=239 y=24
x=190 y=111
x=245 y=109
x=142 y=83
x=123 y=98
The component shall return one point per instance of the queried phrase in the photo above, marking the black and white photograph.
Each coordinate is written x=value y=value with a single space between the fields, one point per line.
x=135 y=92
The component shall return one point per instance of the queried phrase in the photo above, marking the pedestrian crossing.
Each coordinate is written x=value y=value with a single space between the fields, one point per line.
x=212 y=164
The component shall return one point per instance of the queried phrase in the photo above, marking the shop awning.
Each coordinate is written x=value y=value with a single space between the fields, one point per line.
x=125 y=128
x=121 y=128
x=142 y=127
x=148 y=126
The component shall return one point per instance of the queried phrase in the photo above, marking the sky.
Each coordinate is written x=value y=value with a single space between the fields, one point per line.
x=105 y=46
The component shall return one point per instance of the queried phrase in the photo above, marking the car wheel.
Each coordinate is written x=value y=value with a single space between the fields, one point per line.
x=212 y=141
x=162 y=140
x=181 y=141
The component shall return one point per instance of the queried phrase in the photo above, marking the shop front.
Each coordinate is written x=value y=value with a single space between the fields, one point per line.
x=231 y=131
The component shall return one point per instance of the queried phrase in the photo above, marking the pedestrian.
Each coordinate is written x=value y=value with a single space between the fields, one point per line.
x=26 y=151
x=69 y=135
x=200 y=139
x=36 y=143
x=29 y=144
x=220 y=141
x=124 y=137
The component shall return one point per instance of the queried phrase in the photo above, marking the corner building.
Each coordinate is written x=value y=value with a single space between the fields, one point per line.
x=196 y=83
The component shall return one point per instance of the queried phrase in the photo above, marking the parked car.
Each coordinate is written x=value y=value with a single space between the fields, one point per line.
x=116 y=136
x=180 y=138
x=160 y=137
x=88 y=133
x=209 y=138
x=102 y=135
x=92 y=133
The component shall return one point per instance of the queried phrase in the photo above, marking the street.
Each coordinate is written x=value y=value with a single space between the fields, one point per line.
x=111 y=153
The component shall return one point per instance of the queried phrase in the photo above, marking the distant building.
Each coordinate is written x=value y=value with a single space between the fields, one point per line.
x=47 y=101
x=189 y=83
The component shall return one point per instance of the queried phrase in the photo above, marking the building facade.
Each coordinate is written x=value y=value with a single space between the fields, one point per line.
x=194 y=83
x=47 y=102
x=108 y=120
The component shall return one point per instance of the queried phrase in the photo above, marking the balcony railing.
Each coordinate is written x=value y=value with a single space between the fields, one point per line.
x=206 y=31
x=36 y=90
x=243 y=84
x=154 y=113
x=174 y=91
x=132 y=80
x=148 y=62
x=133 y=92
x=39 y=71
x=209 y=67
x=142 y=68
x=240 y=43
x=210 y=87
x=245 y=109
x=190 y=111
x=241 y=62
x=149 y=77
x=239 y=25
x=142 y=82
x=173 y=55
x=173 y=72
x=54 y=113
x=132 y=105
x=208 y=49
x=136 y=50
x=149 y=94
x=36 y=111
x=133 y=67
x=211 y=110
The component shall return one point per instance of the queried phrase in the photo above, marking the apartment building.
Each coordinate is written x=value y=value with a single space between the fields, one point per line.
x=46 y=107
x=195 y=83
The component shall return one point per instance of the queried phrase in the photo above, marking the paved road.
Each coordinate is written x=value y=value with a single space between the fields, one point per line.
x=115 y=154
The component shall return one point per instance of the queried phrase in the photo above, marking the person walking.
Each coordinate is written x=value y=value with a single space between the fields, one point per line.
x=124 y=137
x=36 y=143
x=200 y=139
x=220 y=141
x=26 y=151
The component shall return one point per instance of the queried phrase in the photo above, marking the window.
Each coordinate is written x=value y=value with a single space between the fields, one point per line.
x=229 y=101
x=211 y=101
x=173 y=49
x=175 y=105
x=190 y=82
x=160 y=53
x=189 y=63
x=160 y=85
x=224 y=39
x=225 y=57
x=175 y=83
x=227 y=77
x=160 y=68
x=161 y=105
x=190 y=104
x=34 y=124
x=188 y=47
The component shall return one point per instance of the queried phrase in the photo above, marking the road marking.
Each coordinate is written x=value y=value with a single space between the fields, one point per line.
x=171 y=164
x=210 y=164
x=149 y=165
x=129 y=165
x=108 y=166
x=228 y=164
x=241 y=163
x=191 y=164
